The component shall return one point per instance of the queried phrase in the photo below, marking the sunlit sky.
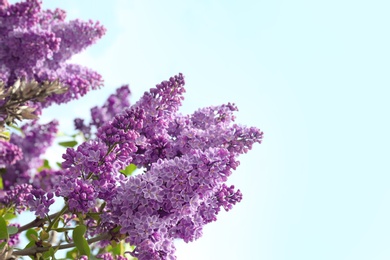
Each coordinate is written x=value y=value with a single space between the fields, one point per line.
x=313 y=75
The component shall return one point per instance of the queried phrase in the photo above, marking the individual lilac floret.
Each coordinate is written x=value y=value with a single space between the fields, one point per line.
x=35 y=44
x=9 y=153
x=34 y=142
x=39 y=202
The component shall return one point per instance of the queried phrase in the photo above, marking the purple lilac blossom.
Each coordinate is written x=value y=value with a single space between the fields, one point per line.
x=39 y=202
x=115 y=104
x=80 y=195
x=109 y=256
x=155 y=211
x=35 y=140
x=16 y=197
x=186 y=161
x=35 y=44
x=9 y=153
x=47 y=179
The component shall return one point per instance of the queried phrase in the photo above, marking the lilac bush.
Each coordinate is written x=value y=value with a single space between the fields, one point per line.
x=144 y=175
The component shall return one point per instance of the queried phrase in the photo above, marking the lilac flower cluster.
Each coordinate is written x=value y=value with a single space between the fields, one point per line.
x=99 y=115
x=33 y=143
x=186 y=161
x=16 y=197
x=47 y=179
x=39 y=201
x=25 y=196
x=35 y=45
x=80 y=195
x=9 y=153
x=174 y=199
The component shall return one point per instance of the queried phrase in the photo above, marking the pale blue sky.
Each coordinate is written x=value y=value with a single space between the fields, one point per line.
x=313 y=75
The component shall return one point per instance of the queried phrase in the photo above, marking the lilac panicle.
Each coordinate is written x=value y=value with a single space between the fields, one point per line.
x=186 y=162
x=174 y=199
x=16 y=197
x=39 y=202
x=9 y=153
x=80 y=195
x=115 y=104
x=35 y=44
x=34 y=142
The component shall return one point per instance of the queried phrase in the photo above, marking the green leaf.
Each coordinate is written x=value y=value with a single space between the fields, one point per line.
x=50 y=254
x=9 y=216
x=129 y=169
x=12 y=230
x=3 y=229
x=31 y=234
x=116 y=249
x=43 y=235
x=30 y=244
x=95 y=216
x=45 y=165
x=3 y=244
x=46 y=255
x=80 y=241
x=68 y=143
x=72 y=254
x=59 y=164
x=1 y=183
x=5 y=135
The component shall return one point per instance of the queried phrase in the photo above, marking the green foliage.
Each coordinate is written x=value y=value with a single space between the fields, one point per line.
x=72 y=254
x=50 y=255
x=8 y=216
x=3 y=229
x=80 y=241
x=2 y=245
x=5 y=135
x=12 y=230
x=129 y=170
x=32 y=235
x=45 y=165
x=68 y=143
x=43 y=235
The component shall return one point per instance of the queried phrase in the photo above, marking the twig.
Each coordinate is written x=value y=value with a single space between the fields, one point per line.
x=35 y=249
x=38 y=221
